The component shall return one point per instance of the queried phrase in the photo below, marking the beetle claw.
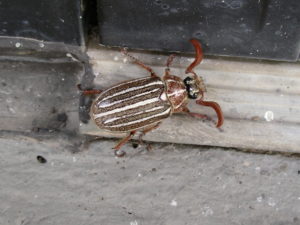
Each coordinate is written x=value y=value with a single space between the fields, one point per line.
x=119 y=153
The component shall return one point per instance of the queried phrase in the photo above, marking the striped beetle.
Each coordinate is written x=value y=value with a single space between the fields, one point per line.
x=141 y=104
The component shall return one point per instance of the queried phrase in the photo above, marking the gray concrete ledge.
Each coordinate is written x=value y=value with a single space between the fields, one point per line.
x=173 y=184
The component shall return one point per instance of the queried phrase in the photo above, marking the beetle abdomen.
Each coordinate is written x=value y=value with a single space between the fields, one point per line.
x=132 y=105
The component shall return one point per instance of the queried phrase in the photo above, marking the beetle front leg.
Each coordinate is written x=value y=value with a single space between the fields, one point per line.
x=214 y=105
x=167 y=75
x=138 y=62
x=170 y=60
x=196 y=115
x=121 y=143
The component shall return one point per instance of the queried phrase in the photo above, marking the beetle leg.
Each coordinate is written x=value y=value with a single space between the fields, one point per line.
x=91 y=92
x=167 y=76
x=145 y=131
x=198 y=56
x=88 y=141
x=88 y=92
x=196 y=115
x=167 y=70
x=138 y=62
x=170 y=60
x=121 y=143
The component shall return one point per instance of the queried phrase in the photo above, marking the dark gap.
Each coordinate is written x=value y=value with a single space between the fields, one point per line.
x=91 y=17
x=263 y=12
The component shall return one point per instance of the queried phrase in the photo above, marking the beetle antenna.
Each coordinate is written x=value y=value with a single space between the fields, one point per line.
x=216 y=107
x=198 y=59
x=198 y=56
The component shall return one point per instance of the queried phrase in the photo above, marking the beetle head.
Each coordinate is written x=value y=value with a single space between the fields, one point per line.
x=194 y=86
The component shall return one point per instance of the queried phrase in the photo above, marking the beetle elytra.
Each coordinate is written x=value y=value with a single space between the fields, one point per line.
x=141 y=104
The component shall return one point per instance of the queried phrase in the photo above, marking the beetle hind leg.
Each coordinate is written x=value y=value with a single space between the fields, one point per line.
x=88 y=92
x=144 y=132
x=121 y=143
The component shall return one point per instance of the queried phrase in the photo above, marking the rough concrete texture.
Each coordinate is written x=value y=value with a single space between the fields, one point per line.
x=39 y=95
x=172 y=184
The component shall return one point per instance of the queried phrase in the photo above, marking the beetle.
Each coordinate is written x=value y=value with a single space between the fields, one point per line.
x=141 y=104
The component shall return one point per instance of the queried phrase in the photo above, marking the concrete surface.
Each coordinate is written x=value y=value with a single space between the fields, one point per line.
x=38 y=84
x=38 y=95
x=171 y=185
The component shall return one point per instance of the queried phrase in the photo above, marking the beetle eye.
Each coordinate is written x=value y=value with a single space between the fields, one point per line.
x=188 y=81
x=190 y=88
x=192 y=94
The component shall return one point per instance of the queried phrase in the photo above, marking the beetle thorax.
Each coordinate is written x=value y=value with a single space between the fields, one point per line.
x=176 y=92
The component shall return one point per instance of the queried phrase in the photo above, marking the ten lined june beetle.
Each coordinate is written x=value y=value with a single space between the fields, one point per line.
x=141 y=104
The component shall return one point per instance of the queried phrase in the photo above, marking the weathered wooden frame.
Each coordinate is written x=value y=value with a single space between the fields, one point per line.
x=260 y=100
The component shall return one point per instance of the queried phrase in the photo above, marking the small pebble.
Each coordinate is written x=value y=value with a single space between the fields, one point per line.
x=259 y=199
x=134 y=223
x=271 y=202
x=269 y=116
x=173 y=203
x=41 y=159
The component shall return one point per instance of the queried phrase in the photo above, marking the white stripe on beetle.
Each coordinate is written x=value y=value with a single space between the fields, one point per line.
x=136 y=105
x=179 y=92
x=143 y=119
x=130 y=81
x=104 y=104
x=132 y=89
x=135 y=114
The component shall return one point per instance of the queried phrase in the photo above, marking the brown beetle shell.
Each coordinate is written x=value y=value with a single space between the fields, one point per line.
x=132 y=105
